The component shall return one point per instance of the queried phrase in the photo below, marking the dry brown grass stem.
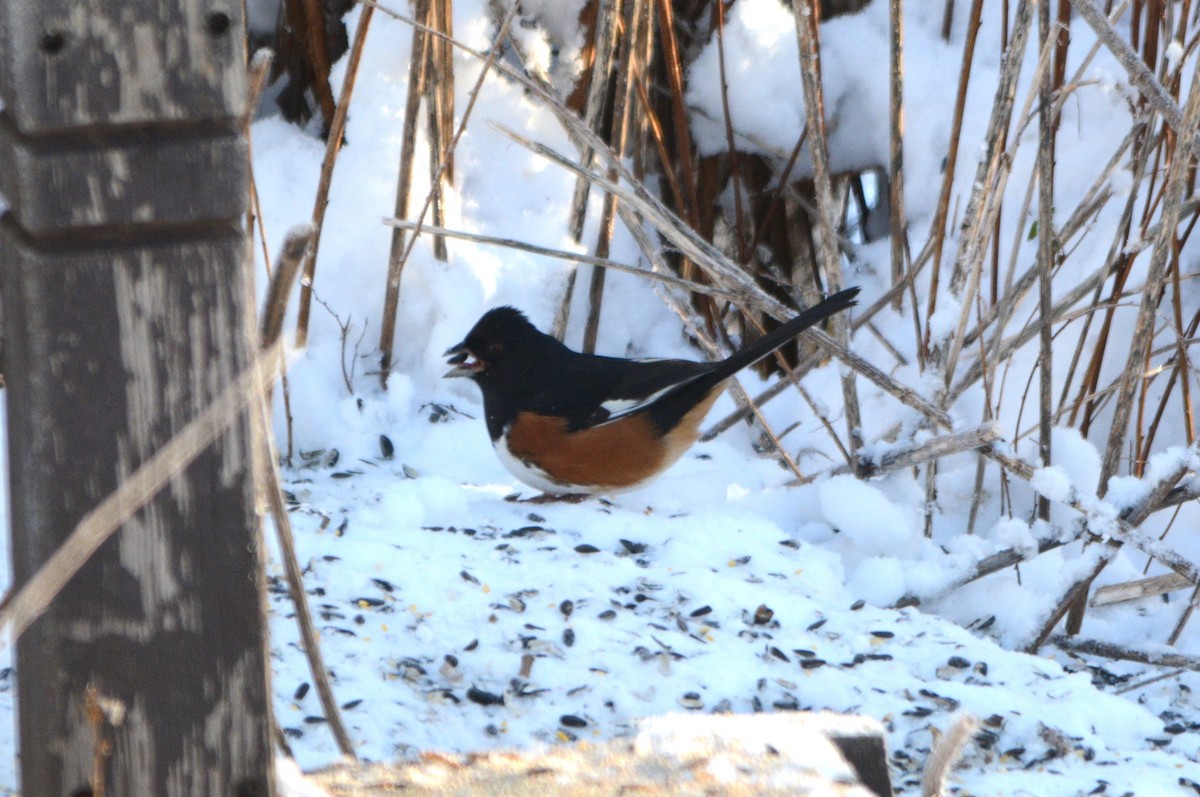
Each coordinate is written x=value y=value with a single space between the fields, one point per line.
x=418 y=67
x=984 y=204
x=333 y=145
x=826 y=243
x=270 y=331
x=731 y=150
x=976 y=219
x=259 y=69
x=489 y=61
x=1178 y=178
x=1139 y=73
x=898 y=224
x=684 y=156
x=318 y=53
x=1047 y=245
x=607 y=40
x=1185 y=616
x=628 y=40
x=937 y=235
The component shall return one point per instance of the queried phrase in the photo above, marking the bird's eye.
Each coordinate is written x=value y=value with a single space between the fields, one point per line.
x=494 y=348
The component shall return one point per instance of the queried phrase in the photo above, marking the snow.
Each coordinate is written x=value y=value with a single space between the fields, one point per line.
x=456 y=617
x=1052 y=482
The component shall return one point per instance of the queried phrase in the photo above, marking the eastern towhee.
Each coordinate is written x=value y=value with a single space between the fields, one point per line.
x=570 y=423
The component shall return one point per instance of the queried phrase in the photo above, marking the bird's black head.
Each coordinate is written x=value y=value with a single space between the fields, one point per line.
x=499 y=349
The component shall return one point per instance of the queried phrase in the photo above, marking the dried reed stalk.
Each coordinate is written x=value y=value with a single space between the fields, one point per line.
x=898 y=225
x=489 y=61
x=627 y=40
x=990 y=178
x=830 y=259
x=685 y=159
x=271 y=328
x=439 y=107
x=318 y=49
x=1047 y=250
x=598 y=97
x=937 y=235
x=418 y=67
x=1178 y=177
x=913 y=454
x=1108 y=650
x=333 y=145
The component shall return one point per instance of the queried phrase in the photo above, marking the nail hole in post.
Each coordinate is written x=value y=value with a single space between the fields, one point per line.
x=217 y=23
x=52 y=42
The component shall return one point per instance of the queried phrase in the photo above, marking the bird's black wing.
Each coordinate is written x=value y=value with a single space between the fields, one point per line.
x=592 y=390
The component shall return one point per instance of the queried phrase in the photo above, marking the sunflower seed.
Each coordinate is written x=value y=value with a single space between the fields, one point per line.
x=484 y=698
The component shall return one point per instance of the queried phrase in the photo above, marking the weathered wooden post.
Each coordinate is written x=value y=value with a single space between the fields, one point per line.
x=125 y=312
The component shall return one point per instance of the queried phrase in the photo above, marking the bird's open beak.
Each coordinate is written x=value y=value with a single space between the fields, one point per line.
x=464 y=363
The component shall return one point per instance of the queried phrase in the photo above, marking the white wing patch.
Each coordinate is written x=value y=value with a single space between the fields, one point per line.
x=619 y=408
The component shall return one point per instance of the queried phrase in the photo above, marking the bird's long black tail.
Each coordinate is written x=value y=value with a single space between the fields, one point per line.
x=756 y=350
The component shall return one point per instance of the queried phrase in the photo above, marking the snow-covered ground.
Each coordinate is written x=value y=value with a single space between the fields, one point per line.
x=455 y=617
